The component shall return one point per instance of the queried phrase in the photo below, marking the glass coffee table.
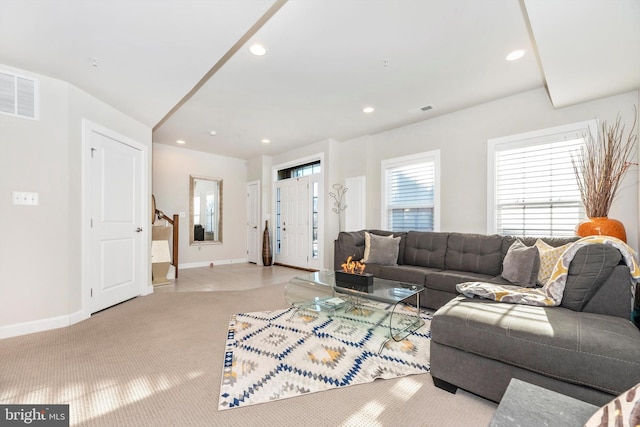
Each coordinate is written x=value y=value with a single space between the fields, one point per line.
x=319 y=292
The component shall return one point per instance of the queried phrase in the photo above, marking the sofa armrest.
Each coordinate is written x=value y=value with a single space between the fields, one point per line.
x=347 y=244
x=614 y=297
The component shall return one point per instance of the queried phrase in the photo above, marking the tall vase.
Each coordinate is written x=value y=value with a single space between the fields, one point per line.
x=266 y=246
x=601 y=226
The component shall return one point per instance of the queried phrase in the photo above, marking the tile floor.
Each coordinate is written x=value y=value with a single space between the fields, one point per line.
x=228 y=277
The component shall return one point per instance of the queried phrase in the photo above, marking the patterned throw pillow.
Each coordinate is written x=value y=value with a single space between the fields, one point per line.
x=623 y=411
x=549 y=256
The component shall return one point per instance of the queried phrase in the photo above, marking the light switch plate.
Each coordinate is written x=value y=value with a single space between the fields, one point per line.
x=24 y=198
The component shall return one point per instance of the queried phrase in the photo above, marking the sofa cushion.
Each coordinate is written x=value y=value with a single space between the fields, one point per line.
x=589 y=269
x=474 y=253
x=447 y=280
x=521 y=264
x=531 y=241
x=592 y=350
x=425 y=249
x=381 y=250
x=404 y=273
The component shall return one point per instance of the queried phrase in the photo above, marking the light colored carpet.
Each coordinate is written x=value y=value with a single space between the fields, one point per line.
x=279 y=354
x=152 y=361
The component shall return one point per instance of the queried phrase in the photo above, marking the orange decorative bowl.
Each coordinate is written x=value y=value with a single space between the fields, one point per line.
x=601 y=226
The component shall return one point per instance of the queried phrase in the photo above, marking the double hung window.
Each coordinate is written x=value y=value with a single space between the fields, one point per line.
x=532 y=187
x=410 y=192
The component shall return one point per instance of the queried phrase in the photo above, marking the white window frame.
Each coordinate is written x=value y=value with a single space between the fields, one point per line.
x=428 y=156
x=526 y=139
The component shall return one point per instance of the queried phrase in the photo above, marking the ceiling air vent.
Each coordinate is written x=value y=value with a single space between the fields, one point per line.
x=18 y=95
x=426 y=108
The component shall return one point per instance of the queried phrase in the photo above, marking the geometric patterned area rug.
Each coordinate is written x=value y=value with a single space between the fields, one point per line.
x=279 y=354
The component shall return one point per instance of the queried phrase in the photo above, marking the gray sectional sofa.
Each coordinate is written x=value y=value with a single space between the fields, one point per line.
x=437 y=260
x=586 y=348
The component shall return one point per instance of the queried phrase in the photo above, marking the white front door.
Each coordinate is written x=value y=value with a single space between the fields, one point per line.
x=294 y=222
x=117 y=225
x=253 y=222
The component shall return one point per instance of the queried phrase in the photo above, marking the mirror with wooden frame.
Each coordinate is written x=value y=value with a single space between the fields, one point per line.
x=205 y=210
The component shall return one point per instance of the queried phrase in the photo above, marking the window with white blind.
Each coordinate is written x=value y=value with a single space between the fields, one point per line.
x=532 y=186
x=411 y=192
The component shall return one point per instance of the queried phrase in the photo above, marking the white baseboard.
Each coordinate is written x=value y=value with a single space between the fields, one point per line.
x=41 y=325
x=216 y=262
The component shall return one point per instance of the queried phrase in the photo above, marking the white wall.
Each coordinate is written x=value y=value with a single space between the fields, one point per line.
x=462 y=138
x=40 y=246
x=35 y=243
x=172 y=167
x=259 y=169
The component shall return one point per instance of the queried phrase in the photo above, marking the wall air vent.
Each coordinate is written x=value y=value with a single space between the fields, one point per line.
x=18 y=95
x=426 y=108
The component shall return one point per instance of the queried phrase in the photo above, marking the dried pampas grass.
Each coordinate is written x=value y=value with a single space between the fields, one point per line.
x=602 y=163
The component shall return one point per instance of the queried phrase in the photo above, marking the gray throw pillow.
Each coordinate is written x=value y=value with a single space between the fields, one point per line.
x=521 y=264
x=383 y=250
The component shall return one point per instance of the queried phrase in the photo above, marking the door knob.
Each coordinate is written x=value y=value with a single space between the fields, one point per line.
x=138 y=230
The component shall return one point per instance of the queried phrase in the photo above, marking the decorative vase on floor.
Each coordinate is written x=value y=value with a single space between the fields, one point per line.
x=601 y=226
x=266 y=246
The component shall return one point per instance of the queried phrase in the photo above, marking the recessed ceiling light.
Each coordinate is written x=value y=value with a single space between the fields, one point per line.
x=181 y=142
x=257 y=49
x=516 y=54
x=367 y=110
x=266 y=141
x=213 y=133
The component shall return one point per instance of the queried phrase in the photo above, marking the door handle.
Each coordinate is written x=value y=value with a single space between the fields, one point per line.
x=138 y=230
x=255 y=226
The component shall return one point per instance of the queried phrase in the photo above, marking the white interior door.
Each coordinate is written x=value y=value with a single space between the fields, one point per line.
x=253 y=222
x=294 y=222
x=117 y=225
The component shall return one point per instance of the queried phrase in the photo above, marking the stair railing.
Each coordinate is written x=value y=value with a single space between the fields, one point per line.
x=175 y=224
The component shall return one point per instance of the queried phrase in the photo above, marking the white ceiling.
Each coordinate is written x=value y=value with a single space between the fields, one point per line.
x=588 y=48
x=325 y=61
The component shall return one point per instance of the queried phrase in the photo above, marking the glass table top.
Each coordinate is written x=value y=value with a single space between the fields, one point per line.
x=388 y=291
